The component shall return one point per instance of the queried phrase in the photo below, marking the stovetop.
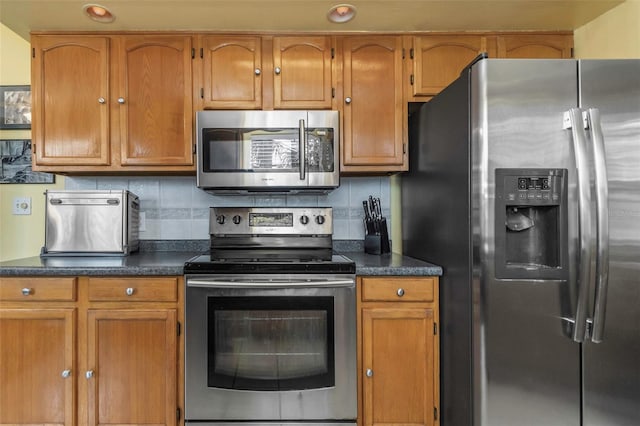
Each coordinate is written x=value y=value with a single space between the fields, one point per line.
x=265 y=261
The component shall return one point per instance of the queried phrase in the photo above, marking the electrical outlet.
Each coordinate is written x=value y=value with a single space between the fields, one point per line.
x=22 y=205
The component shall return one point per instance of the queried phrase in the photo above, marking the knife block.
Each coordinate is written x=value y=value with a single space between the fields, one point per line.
x=378 y=243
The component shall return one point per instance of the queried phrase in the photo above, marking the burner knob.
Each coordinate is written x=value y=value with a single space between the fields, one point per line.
x=320 y=220
x=236 y=219
x=304 y=219
x=220 y=219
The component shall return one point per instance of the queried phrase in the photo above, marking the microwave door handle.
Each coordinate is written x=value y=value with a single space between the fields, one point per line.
x=302 y=148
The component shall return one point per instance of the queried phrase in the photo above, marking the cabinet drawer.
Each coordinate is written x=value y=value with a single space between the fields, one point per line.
x=26 y=289
x=398 y=289
x=157 y=289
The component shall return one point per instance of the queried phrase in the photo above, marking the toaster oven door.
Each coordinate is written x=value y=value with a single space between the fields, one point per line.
x=86 y=223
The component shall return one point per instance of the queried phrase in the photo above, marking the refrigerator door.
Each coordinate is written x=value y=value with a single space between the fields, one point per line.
x=611 y=379
x=526 y=368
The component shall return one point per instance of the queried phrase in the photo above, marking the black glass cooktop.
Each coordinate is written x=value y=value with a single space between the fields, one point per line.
x=269 y=261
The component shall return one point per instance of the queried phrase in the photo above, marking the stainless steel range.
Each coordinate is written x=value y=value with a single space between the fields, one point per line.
x=270 y=333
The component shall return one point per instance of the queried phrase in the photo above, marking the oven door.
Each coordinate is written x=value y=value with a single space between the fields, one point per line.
x=275 y=348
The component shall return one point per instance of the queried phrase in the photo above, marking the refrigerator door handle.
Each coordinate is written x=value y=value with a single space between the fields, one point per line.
x=573 y=120
x=602 y=226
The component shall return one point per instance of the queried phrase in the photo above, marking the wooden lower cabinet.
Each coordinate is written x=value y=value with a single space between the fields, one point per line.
x=95 y=360
x=37 y=366
x=399 y=356
x=132 y=368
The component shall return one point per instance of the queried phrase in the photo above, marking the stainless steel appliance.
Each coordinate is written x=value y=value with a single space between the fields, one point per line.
x=270 y=333
x=268 y=151
x=524 y=185
x=90 y=223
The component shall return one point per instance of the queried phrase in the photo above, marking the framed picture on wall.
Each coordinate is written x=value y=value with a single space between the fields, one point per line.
x=15 y=163
x=15 y=107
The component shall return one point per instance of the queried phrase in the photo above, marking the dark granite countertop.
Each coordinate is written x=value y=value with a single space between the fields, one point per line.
x=168 y=258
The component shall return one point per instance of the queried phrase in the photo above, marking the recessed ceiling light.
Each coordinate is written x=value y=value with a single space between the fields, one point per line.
x=341 y=13
x=98 y=13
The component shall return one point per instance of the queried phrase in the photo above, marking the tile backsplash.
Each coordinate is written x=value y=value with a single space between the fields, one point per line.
x=175 y=209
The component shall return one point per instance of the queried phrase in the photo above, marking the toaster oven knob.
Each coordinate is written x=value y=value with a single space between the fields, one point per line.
x=304 y=219
x=220 y=219
x=320 y=220
x=236 y=219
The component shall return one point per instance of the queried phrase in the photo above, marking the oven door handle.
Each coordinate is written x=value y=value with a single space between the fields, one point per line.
x=268 y=284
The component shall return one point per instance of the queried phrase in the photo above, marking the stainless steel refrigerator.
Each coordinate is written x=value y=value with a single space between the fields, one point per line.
x=524 y=185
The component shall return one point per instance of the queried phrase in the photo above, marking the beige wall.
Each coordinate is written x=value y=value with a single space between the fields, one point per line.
x=613 y=35
x=20 y=236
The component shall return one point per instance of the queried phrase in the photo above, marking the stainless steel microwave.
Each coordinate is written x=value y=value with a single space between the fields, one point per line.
x=268 y=151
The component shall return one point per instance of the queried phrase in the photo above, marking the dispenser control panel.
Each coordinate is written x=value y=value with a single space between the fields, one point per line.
x=540 y=187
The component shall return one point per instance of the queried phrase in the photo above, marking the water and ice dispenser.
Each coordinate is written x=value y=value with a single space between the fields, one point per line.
x=531 y=224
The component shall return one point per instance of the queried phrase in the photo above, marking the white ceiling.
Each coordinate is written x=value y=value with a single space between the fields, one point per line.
x=23 y=16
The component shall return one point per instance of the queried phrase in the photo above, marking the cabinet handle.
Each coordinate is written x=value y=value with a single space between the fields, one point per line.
x=130 y=291
x=347 y=100
x=88 y=374
x=26 y=291
x=369 y=372
x=101 y=100
x=120 y=100
x=277 y=70
x=400 y=292
x=66 y=374
x=257 y=71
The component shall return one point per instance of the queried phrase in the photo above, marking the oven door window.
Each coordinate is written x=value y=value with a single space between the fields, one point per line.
x=270 y=343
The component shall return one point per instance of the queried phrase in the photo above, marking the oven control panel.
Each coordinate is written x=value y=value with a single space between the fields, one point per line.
x=270 y=221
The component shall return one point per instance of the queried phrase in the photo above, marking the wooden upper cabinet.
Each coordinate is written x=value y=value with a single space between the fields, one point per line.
x=439 y=59
x=37 y=367
x=232 y=72
x=154 y=100
x=112 y=103
x=255 y=72
x=541 y=46
x=302 y=72
x=373 y=110
x=70 y=90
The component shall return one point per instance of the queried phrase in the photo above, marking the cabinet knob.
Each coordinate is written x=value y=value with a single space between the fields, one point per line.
x=130 y=291
x=400 y=292
x=88 y=374
x=66 y=374
x=347 y=100
x=101 y=100
x=257 y=71
x=278 y=70
x=120 y=100
x=369 y=372
x=26 y=291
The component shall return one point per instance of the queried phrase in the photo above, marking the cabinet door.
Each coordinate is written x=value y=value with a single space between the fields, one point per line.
x=438 y=60
x=302 y=72
x=154 y=100
x=373 y=111
x=540 y=46
x=232 y=75
x=399 y=380
x=70 y=92
x=37 y=366
x=132 y=367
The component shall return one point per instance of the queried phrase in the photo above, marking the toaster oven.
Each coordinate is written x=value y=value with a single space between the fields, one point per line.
x=91 y=223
